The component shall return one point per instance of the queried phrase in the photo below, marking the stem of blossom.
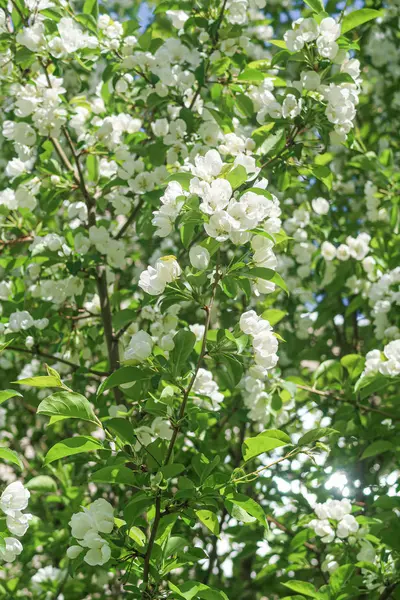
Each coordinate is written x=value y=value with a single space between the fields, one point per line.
x=177 y=428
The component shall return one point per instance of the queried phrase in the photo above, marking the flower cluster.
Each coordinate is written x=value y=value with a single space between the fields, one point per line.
x=341 y=98
x=21 y=320
x=265 y=344
x=388 y=364
x=356 y=248
x=155 y=279
x=334 y=520
x=204 y=385
x=13 y=501
x=227 y=217
x=87 y=526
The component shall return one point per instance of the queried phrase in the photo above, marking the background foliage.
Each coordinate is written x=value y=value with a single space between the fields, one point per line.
x=213 y=469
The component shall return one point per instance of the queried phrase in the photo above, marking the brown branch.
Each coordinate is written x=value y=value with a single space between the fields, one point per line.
x=75 y=367
x=21 y=240
x=387 y=592
x=329 y=394
x=129 y=220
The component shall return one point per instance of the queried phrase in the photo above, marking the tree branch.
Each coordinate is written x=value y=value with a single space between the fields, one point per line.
x=177 y=428
x=75 y=367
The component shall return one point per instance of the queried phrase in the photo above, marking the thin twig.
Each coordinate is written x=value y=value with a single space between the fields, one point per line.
x=186 y=393
x=329 y=394
x=75 y=367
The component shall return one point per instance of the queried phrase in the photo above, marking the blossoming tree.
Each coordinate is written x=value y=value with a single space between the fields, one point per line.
x=199 y=275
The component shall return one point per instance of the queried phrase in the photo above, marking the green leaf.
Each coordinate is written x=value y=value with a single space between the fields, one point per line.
x=42 y=381
x=209 y=519
x=71 y=446
x=182 y=178
x=41 y=483
x=10 y=456
x=358 y=17
x=273 y=141
x=259 y=273
x=87 y=21
x=340 y=578
x=370 y=384
x=195 y=589
x=237 y=176
x=137 y=535
x=250 y=506
x=278 y=43
x=279 y=281
x=264 y=442
x=324 y=174
x=114 y=474
x=274 y=315
x=4 y=345
x=378 y=447
x=354 y=364
x=90 y=7
x=68 y=405
x=92 y=165
x=124 y=375
x=244 y=105
x=316 y=434
x=251 y=75
x=316 y=5
x=6 y=394
x=303 y=587
x=123 y=428
x=184 y=343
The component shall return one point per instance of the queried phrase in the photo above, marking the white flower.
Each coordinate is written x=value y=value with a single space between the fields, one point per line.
x=323 y=529
x=347 y=526
x=98 y=556
x=160 y=127
x=207 y=167
x=80 y=524
x=215 y=195
x=12 y=550
x=155 y=279
x=32 y=37
x=206 y=386
x=18 y=522
x=178 y=18
x=249 y=322
x=140 y=347
x=329 y=28
x=343 y=252
x=20 y=320
x=291 y=107
x=330 y=564
x=74 y=551
x=328 y=251
x=14 y=498
x=221 y=225
x=320 y=206
x=198 y=331
x=103 y=515
x=311 y=80
x=199 y=257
